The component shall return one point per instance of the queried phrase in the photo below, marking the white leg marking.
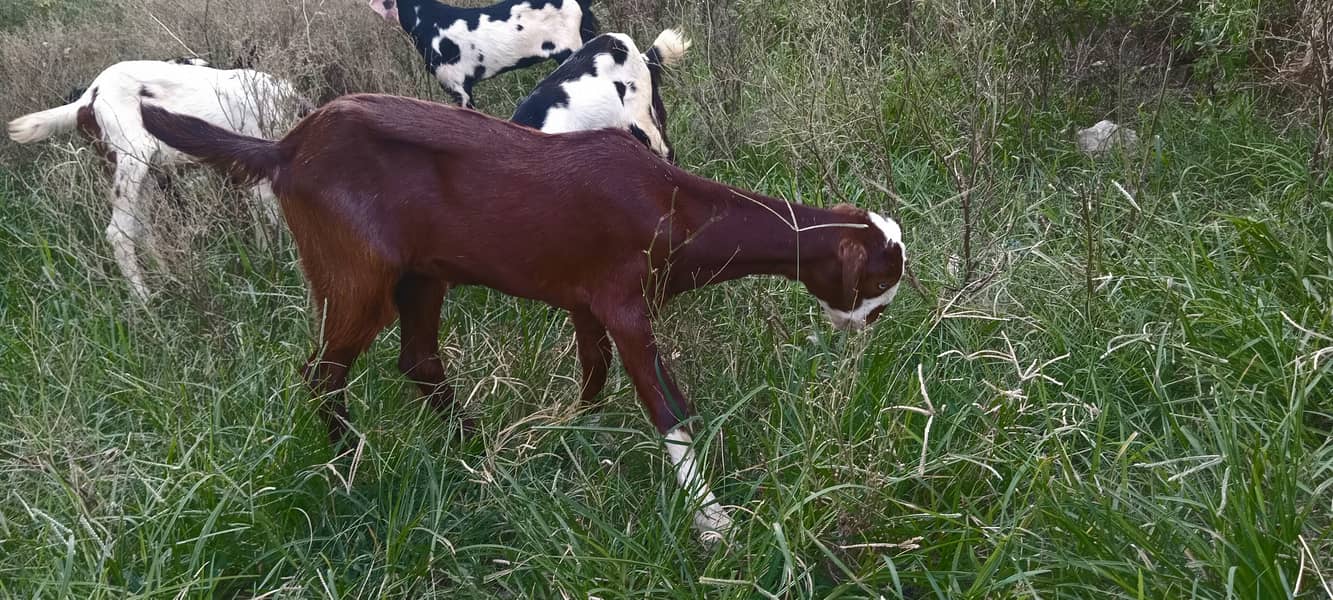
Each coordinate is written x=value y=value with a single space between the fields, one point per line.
x=268 y=205
x=126 y=225
x=711 y=520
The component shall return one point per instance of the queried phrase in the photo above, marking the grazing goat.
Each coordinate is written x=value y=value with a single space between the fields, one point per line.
x=392 y=201
x=462 y=46
x=607 y=83
x=107 y=113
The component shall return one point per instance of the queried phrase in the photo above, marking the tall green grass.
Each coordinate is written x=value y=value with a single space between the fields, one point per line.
x=1135 y=402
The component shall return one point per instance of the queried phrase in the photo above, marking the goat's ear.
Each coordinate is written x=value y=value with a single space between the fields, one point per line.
x=386 y=8
x=852 y=257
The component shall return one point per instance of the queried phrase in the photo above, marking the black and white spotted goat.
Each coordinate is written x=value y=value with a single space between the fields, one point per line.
x=107 y=113
x=462 y=46
x=607 y=83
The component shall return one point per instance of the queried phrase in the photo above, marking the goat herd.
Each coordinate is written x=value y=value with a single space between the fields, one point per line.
x=391 y=201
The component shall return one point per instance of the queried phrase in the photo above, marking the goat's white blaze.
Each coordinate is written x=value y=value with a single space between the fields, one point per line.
x=855 y=319
x=710 y=519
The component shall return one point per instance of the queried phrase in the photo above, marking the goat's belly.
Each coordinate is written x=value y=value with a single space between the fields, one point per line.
x=552 y=286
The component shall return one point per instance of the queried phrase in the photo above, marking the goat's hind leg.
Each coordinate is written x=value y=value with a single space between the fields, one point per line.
x=419 y=299
x=349 y=323
x=127 y=221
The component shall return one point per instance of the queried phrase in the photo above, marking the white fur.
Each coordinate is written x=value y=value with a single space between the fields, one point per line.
x=595 y=104
x=500 y=44
x=710 y=519
x=855 y=319
x=671 y=45
x=241 y=100
x=893 y=234
x=41 y=125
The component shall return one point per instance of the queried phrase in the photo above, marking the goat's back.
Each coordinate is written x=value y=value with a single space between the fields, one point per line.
x=471 y=198
x=241 y=100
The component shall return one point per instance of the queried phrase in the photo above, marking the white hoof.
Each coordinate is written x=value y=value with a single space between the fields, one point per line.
x=713 y=524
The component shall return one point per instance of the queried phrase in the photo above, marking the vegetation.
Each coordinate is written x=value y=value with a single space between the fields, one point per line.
x=1114 y=380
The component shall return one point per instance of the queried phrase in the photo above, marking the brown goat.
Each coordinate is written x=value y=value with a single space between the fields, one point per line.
x=392 y=201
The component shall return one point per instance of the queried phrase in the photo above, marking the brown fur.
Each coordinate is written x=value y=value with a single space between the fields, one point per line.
x=86 y=122
x=392 y=201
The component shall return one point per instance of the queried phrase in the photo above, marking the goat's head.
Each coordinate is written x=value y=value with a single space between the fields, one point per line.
x=669 y=48
x=638 y=90
x=648 y=116
x=856 y=286
x=652 y=133
x=386 y=8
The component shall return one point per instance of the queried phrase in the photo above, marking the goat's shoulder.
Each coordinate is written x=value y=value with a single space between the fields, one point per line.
x=611 y=156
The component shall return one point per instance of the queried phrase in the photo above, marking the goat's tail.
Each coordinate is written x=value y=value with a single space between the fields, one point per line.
x=41 y=125
x=668 y=49
x=247 y=158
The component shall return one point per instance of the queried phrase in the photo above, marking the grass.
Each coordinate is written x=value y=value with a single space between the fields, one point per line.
x=1136 y=405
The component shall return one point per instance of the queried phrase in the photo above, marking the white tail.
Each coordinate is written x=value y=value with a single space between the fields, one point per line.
x=41 y=125
x=670 y=46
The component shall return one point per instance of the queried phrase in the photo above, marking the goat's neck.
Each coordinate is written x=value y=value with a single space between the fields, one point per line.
x=725 y=233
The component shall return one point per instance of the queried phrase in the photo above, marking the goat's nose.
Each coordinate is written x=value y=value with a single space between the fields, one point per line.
x=843 y=323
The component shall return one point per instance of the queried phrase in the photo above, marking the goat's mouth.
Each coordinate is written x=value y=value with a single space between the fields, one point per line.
x=843 y=320
x=847 y=324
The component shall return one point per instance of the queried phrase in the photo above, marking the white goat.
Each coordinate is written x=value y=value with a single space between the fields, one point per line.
x=241 y=100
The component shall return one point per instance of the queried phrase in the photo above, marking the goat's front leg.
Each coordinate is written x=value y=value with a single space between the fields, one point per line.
x=667 y=408
x=594 y=348
x=127 y=224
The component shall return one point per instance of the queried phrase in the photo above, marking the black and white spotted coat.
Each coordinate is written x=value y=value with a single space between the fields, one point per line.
x=607 y=84
x=462 y=46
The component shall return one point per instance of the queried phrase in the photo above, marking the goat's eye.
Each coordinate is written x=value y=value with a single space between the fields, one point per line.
x=883 y=286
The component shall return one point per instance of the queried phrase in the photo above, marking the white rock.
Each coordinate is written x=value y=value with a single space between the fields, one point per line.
x=1105 y=136
x=954 y=265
